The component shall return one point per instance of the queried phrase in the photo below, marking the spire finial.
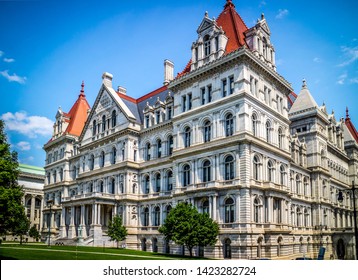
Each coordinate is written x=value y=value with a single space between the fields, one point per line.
x=82 y=94
x=347 y=113
x=229 y=4
x=304 y=84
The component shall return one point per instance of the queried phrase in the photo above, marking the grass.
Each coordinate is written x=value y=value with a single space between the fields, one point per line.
x=41 y=252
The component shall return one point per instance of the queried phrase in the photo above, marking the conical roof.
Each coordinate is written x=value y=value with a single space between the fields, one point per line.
x=304 y=100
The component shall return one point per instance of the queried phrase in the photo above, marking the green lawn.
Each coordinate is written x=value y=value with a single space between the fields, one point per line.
x=41 y=252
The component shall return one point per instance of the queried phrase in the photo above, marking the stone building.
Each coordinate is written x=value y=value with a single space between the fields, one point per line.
x=228 y=135
x=32 y=179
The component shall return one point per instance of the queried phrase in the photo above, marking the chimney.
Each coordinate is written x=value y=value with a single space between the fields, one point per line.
x=107 y=79
x=168 y=71
x=122 y=90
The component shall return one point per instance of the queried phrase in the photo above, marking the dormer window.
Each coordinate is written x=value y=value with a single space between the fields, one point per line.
x=207 y=49
x=147 y=121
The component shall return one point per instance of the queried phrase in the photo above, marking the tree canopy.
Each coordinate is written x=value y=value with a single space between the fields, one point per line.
x=186 y=226
x=12 y=212
x=116 y=230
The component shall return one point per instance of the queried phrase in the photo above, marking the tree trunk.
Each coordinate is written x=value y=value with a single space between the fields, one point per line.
x=190 y=251
x=117 y=244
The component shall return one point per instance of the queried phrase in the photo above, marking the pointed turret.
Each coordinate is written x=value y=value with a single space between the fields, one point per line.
x=353 y=133
x=78 y=114
x=304 y=100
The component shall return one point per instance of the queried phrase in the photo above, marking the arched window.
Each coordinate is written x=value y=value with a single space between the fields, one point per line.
x=114 y=118
x=282 y=175
x=229 y=168
x=55 y=174
x=299 y=215
x=90 y=188
x=280 y=138
x=256 y=168
x=101 y=159
x=254 y=124
x=91 y=162
x=101 y=187
x=207 y=49
x=169 y=180
x=186 y=175
x=206 y=206
x=94 y=128
x=187 y=137
x=206 y=171
x=146 y=184
x=146 y=217
x=111 y=186
x=229 y=125
x=257 y=205
x=114 y=155
x=157 y=182
x=298 y=184
x=156 y=216
x=207 y=131
x=159 y=148
x=268 y=132
x=167 y=210
x=103 y=123
x=270 y=168
x=170 y=145
x=229 y=210
x=147 y=150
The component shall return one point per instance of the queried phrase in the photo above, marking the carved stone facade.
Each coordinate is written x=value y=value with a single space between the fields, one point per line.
x=224 y=136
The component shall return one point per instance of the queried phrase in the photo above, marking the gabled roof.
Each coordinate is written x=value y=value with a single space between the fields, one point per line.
x=78 y=114
x=233 y=26
x=350 y=126
x=304 y=101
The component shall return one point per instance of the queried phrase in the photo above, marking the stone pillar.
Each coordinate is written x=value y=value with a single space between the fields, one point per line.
x=32 y=210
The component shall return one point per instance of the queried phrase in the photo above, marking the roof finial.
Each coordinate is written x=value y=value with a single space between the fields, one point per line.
x=304 y=84
x=262 y=16
x=347 y=113
x=82 y=89
x=206 y=14
x=229 y=4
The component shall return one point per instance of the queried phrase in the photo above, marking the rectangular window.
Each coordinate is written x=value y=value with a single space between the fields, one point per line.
x=231 y=84
x=146 y=121
x=183 y=103
x=209 y=93
x=202 y=90
x=135 y=155
x=189 y=101
x=224 y=87
x=157 y=115
x=169 y=113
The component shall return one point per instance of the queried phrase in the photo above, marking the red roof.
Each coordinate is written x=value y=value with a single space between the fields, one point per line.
x=233 y=26
x=78 y=114
x=350 y=126
x=144 y=97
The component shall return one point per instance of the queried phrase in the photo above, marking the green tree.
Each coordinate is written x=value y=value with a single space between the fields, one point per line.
x=12 y=212
x=186 y=226
x=34 y=233
x=116 y=230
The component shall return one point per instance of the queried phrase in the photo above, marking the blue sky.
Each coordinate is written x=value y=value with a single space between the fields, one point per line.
x=47 y=48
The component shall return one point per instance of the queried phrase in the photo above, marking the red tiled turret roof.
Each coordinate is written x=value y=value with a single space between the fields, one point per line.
x=233 y=26
x=78 y=114
x=350 y=126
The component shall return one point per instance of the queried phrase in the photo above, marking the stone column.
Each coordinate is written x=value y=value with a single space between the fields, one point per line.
x=32 y=210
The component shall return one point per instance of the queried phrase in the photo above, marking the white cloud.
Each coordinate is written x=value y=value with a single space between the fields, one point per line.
x=9 y=60
x=279 y=62
x=342 y=78
x=262 y=3
x=350 y=55
x=31 y=126
x=23 y=146
x=317 y=60
x=282 y=13
x=354 y=80
x=27 y=160
x=13 y=78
